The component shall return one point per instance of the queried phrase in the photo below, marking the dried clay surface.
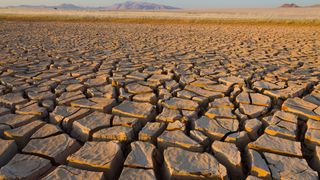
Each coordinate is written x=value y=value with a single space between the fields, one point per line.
x=150 y=101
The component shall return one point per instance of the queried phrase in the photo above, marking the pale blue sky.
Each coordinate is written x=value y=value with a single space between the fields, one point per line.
x=177 y=3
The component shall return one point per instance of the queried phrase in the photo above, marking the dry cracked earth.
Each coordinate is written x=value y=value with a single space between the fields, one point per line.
x=138 y=101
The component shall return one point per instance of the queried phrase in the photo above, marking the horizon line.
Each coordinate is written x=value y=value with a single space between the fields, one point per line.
x=184 y=8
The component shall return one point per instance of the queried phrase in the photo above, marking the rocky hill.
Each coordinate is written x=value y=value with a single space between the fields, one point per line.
x=291 y=5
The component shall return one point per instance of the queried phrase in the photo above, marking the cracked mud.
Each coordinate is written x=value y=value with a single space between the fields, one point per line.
x=128 y=101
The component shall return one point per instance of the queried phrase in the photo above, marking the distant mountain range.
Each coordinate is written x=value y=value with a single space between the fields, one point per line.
x=62 y=6
x=139 y=5
x=135 y=5
x=129 y=5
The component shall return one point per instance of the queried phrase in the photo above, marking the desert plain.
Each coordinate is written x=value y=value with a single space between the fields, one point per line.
x=111 y=100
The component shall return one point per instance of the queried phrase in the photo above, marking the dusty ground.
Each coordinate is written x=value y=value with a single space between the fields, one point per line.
x=100 y=101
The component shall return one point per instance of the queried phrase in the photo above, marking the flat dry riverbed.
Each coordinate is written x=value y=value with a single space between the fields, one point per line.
x=108 y=100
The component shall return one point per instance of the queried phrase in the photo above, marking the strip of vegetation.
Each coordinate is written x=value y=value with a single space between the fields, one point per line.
x=149 y=20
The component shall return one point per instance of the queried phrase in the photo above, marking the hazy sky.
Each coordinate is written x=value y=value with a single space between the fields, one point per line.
x=177 y=3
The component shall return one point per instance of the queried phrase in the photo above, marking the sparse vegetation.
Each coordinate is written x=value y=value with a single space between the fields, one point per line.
x=236 y=16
